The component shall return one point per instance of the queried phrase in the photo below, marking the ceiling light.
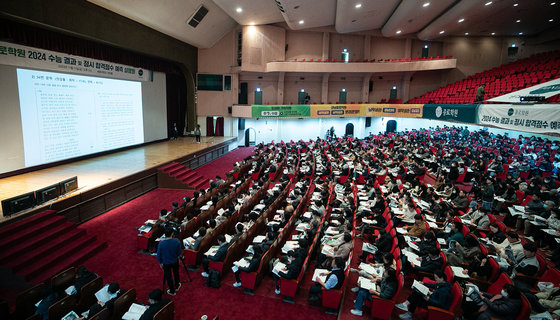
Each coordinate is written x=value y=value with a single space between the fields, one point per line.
x=552 y=3
x=515 y=4
x=426 y=4
x=488 y=3
x=239 y=10
x=301 y=21
x=461 y=20
x=442 y=32
x=520 y=33
x=513 y=45
x=425 y=46
x=399 y=31
x=466 y=33
x=358 y=6
x=252 y=23
x=493 y=33
x=550 y=20
x=517 y=20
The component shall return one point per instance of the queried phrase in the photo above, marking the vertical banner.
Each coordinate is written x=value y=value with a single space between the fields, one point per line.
x=538 y=118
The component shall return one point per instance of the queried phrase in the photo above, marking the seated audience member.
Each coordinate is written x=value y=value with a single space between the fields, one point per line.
x=253 y=265
x=429 y=241
x=463 y=253
x=291 y=271
x=342 y=251
x=197 y=239
x=496 y=235
x=430 y=263
x=479 y=267
x=418 y=229
x=456 y=233
x=440 y=297
x=527 y=265
x=388 y=285
x=155 y=297
x=114 y=292
x=219 y=256
x=505 y=305
x=50 y=296
x=83 y=276
x=334 y=280
x=461 y=202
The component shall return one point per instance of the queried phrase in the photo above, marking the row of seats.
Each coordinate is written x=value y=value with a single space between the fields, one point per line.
x=498 y=81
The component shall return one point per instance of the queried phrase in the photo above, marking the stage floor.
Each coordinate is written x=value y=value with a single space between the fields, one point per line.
x=97 y=171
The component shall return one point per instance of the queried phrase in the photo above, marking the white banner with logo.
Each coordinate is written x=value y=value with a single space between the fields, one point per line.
x=29 y=57
x=547 y=90
x=537 y=118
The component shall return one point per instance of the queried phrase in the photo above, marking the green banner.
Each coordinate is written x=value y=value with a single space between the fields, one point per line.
x=451 y=112
x=280 y=111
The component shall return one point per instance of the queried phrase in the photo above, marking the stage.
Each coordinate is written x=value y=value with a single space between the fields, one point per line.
x=101 y=176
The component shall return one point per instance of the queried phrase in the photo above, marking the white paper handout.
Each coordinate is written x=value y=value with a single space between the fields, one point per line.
x=134 y=312
x=317 y=275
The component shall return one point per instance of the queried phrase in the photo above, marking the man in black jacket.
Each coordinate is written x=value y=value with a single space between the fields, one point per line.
x=219 y=256
x=291 y=271
x=156 y=303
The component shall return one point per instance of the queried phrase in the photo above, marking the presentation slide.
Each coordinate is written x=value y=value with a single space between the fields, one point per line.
x=66 y=116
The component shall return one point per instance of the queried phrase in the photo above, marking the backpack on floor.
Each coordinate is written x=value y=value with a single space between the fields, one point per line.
x=213 y=280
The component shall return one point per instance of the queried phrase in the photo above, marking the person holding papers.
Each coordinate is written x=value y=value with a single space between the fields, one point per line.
x=83 y=276
x=290 y=271
x=496 y=235
x=220 y=255
x=461 y=202
x=506 y=305
x=156 y=303
x=456 y=233
x=385 y=288
x=487 y=194
x=50 y=296
x=106 y=297
x=418 y=229
x=253 y=265
x=334 y=280
x=463 y=254
x=511 y=248
x=168 y=252
x=342 y=251
x=528 y=266
x=430 y=263
x=439 y=297
x=195 y=243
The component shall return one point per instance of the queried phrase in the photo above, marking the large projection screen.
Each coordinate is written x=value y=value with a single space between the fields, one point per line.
x=52 y=116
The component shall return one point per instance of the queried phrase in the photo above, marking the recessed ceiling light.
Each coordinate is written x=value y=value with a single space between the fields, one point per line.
x=399 y=31
x=426 y=4
x=493 y=33
x=301 y=21
x=442 y=32
x=550 y=20
x=517 y=21
x=515 y=4
x=239 y=10
x=461 y=20
x=520 y=33
x=358 y=5
x=552 y=3
x=488 y=3
x=466 y=33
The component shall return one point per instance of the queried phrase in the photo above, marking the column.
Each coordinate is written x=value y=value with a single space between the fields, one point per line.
x=325 y=88
x=326 y=45
x=365 y=88
x=405 y=86
x=408 y=48
x=280 y=94
x=367 y=47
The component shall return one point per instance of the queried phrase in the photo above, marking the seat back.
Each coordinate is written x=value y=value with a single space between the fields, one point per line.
x=449 y=274
x=63 y=279
x=495 y=269
x=496 y=287
x=542 y=265
x=165 y=313
x=456 y=299
x=26 y=300
x=60 y=308
x=123 y=302
x=103 y=314
x=525 y=309
x=527 y=199
x=551 y=275
x=87 y=293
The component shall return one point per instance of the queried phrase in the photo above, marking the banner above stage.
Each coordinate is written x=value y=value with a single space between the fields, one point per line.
x=538 y=118
x=280 y=111
x=338 y=110
x=451 y=112
x=29 y=57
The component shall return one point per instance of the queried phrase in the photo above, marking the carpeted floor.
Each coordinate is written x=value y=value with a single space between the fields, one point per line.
x=120 y=262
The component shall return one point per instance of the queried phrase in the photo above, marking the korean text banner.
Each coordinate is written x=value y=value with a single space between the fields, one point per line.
x=392 y=110
x=338 y=110
x=538 y=118
x=452 y=112
x=29 y=57
x=280 y=111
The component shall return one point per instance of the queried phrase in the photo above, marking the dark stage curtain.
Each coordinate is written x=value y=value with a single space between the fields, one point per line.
x=209 y=126
x=220 y=127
